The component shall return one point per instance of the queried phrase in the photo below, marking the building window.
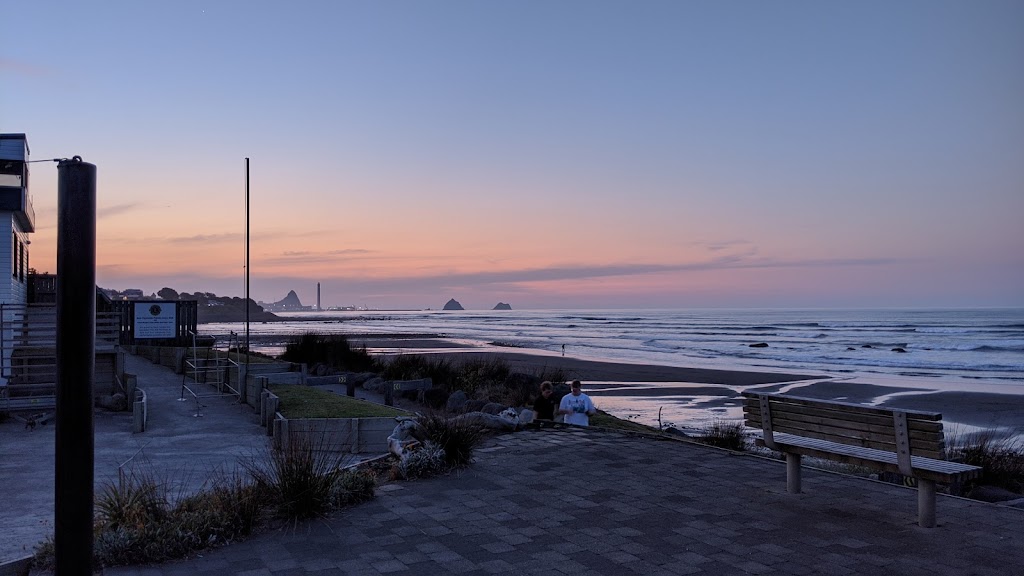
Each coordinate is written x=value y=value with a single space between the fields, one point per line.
x=21 y=262
x=14 y=254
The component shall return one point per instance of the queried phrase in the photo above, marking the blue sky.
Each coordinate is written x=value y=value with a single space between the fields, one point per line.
x=545 y=154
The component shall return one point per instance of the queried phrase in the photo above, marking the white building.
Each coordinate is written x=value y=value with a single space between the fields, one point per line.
x=17 y=219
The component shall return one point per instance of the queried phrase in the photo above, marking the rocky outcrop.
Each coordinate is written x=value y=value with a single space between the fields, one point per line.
x=502 y=306
x=453 y=304
x=290 y=301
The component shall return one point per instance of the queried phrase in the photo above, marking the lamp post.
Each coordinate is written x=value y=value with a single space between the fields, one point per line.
x=76 y=362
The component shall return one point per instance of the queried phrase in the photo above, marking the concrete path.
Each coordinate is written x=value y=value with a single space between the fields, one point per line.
x=589 y=502
x=184 y=443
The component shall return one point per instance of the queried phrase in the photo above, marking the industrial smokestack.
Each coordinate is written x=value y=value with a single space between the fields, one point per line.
x=318 y=308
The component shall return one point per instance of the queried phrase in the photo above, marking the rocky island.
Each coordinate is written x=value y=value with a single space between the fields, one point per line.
x=453 y=304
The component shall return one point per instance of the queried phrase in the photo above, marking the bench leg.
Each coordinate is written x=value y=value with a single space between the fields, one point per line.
x=926 y=503
x=793 y=473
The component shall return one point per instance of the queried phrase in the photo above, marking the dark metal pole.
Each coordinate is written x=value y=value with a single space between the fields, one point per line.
x=76 y=361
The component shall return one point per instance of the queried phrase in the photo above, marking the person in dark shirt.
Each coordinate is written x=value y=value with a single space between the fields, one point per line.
x=544 y=406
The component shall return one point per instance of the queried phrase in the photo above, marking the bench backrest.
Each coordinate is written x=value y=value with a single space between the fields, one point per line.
x=847 y=423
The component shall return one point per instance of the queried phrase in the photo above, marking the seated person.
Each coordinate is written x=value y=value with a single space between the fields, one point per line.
x=544 y=406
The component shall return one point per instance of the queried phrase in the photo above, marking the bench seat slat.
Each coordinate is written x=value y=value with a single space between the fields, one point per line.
x=926 y=468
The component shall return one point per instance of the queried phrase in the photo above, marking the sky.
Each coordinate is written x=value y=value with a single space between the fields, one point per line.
x=546 y=154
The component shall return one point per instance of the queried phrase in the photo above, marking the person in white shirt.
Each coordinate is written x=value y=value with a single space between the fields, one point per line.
x=577 y=406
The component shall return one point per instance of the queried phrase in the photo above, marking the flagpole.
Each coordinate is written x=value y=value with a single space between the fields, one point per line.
x=247 y=268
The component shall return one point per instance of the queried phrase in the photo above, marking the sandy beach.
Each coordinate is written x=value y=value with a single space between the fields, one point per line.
x=693 y=397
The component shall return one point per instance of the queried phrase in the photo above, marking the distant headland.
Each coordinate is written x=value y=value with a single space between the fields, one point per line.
x=209 y=306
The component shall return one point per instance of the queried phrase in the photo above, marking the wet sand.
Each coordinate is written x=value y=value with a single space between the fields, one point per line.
x=692 y=397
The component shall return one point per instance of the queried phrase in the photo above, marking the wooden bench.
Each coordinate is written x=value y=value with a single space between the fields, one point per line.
x=400 y=386
x=909 y=442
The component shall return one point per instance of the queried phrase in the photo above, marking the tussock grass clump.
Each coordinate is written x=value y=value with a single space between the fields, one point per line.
x=554 y=375
x=137 y=523
x=723 y=435
x=1001 y=458
x=330 y=349
x=474 y=376
x=515 y=390
x=478 y=374
x=414 y=367
x=457 y=438
x=299 y=479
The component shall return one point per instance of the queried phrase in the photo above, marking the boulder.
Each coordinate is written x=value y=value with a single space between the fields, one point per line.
x=435 y=398
x=493 y=408
x=526 y=416
x=474 y=405
x=503 y=422
x=992 y=494
x=759 y=345
x=456 y=401
x=117 y=402
x=900 y=350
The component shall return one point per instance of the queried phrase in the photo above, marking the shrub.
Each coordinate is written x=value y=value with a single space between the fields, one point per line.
x=331 y=349
x=353 y=487
x=227 y=510
x=723 y=435
x=456 y=437
x=428 y=460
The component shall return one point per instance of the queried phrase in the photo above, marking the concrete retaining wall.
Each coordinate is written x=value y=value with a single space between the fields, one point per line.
x=355 y=435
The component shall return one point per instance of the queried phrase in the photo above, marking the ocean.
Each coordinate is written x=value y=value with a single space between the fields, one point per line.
x=966 y=350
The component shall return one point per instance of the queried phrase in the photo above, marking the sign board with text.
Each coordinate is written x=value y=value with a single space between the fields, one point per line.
x=155 y=320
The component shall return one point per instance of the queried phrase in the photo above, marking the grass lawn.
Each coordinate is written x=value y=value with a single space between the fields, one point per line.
x=310 y=402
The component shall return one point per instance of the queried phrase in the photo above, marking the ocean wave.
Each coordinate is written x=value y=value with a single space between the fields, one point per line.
x=990 y=348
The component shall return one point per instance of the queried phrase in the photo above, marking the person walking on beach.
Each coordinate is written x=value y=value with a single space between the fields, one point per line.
x=577 y=406
x=544 y=406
